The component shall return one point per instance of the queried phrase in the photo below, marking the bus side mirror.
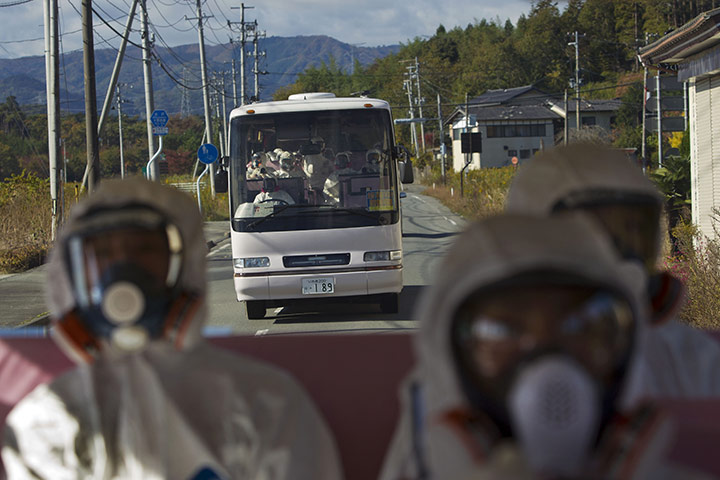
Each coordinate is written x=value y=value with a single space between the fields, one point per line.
x=404 y=164
x=221 y=176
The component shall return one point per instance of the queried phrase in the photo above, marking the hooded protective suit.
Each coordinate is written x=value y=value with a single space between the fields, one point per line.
x=427 y=442
x=178 y=408
x=683 y=361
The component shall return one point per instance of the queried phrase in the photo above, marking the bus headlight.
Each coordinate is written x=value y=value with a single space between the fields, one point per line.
x=382 y=256
x=252 y=262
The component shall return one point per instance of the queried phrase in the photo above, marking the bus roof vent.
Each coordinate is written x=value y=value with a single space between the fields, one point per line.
x=311 y=96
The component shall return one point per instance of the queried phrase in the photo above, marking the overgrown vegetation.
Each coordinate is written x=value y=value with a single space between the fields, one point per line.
x=25 y=225
x=697 y=263
x=483 y=191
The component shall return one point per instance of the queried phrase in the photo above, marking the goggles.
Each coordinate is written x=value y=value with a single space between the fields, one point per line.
x=499 y=330
x=632 y=220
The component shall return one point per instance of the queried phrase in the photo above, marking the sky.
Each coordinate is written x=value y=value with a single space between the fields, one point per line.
x=360 y=22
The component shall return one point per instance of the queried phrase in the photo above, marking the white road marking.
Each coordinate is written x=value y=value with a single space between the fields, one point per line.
x=450 y=220
x=262 y=332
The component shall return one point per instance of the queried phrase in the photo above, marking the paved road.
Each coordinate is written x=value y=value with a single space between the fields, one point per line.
x=428 y=229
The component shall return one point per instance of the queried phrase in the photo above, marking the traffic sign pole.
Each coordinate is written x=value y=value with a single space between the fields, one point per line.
x=207 y=154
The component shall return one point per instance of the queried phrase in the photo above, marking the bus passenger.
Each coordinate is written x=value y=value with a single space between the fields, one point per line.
x=530 y=354
x=150 y=399
x=317 y=167
x=256 y=169
x=272 y=192
x=332 y=184
x=288 y=167
x=604 y=184
x=372 y=161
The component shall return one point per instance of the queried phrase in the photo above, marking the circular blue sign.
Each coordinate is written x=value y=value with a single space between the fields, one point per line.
x=207 y=153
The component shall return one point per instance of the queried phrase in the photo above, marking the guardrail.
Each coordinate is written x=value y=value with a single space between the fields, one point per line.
x=187 y=187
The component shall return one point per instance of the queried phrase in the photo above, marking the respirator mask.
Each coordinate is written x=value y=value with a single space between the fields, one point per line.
x=124 y=267
x=544 y=357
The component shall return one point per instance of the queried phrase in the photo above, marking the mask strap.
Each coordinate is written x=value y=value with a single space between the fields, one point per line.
x=632 y=444
x=469 y=429
x=181 y=313
x=75 y=338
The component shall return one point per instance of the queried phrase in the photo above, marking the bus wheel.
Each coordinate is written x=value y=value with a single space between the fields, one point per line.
x=389 y=303
x=255 y=309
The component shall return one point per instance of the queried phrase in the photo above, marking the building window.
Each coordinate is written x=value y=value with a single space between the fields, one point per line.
x=512 y=153
x=456 y=133
x=587 y=121
x=524 y=154
x=531 y=130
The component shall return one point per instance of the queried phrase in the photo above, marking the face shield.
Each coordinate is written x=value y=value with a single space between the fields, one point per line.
x=124 y=268
x=373 y=157
x=545 y=361
x=631 y=220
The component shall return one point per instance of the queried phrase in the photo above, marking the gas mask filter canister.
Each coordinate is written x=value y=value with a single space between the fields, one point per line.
x=554 y=409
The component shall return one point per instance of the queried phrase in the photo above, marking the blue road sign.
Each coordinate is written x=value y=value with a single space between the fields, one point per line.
x=159 y=118
x=207 y=153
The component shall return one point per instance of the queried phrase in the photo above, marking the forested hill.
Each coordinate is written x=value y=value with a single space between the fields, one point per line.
x=490 y=54
x=24 y=78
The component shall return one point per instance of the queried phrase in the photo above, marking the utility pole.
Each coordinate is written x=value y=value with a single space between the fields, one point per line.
x=257 y=54
x=52 y=83
x=93 y=157
x=659 y=119
x=206 y=89
x=420 y=103
x=565 y=126
x=116 y=69
x=643 y=147
x=408 y=87
x=224 y=119
x=576 y=43
x=234 y=84
x=185 y=99
x=442 y=139
x=243 y=40
x=149 y=96
x=119 y=110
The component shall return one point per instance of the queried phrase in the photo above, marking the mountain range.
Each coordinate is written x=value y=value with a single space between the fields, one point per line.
x=176 y=72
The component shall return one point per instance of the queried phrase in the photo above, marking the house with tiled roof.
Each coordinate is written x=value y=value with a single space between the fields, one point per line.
x=518 y=122
x=693 y=50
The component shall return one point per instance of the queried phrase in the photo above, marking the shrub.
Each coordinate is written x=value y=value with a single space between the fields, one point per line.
x=25 y=226
x=484 y=190
x=697 y=263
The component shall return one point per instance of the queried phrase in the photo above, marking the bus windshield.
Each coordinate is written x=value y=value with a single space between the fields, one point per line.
x=312 y=170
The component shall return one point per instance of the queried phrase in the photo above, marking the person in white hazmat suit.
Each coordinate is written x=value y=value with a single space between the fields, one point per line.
x=682 y=360
x=331 y=190
x=149 y=398
x=317 y=167
x=529 y=354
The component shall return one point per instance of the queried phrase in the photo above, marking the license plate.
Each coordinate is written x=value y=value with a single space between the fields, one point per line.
x=318 y=286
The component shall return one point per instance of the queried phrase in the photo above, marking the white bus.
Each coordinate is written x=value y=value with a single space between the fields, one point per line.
x=315 y=202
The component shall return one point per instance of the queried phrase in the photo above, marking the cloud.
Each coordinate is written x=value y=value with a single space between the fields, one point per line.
x=370 y=22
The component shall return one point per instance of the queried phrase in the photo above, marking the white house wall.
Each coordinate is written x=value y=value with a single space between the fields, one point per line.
x=705 y=134
x=495 y=151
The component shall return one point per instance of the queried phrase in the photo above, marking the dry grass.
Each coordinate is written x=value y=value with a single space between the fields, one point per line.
x=25 y=226
x=698 y=265
x=484 y=191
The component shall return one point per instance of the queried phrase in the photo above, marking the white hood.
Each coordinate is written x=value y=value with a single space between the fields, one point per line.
x=562 y=171
x=179 y=208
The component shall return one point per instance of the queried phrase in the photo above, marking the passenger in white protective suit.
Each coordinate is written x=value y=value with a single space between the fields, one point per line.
x=317 y=167
x=150 y=399
x=682 y=360
x=331 y=189
x=530 y=354
x=272 y=192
